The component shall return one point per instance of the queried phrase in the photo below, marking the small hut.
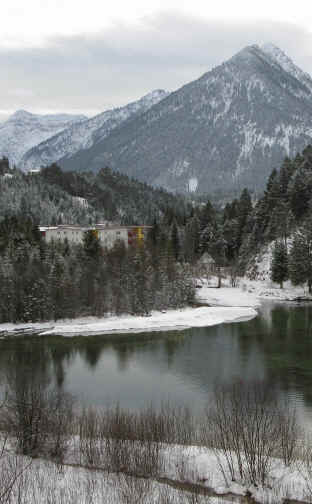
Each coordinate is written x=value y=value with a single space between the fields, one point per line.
x=207 y=262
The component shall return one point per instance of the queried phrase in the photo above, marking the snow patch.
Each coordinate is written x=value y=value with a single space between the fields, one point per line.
x=173 y=319
x=192 y=184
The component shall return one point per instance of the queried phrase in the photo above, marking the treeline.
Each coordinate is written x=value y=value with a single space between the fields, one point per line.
x=40 y=281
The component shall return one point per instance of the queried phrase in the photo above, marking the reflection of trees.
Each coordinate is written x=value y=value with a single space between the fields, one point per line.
x=49 y=357
x=38 y=357
x=286 y=346
x=172 y=344
x=22 y=358
x=277 y=346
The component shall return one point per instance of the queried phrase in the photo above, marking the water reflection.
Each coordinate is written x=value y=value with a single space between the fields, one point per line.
x=183 y=367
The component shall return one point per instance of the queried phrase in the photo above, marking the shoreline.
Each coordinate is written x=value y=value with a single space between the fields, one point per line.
x=178 y=320
x=214 y=306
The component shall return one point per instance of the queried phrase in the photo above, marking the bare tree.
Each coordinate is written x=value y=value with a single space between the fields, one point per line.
x=37 y=417
x=248 y=429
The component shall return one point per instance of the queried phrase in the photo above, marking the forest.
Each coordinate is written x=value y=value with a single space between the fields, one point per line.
x=40 y=281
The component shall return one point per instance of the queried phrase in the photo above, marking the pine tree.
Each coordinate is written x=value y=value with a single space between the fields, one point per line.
x=279 y=265
x=300 y=261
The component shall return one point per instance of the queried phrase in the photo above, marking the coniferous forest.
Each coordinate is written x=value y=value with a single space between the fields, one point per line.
x=40 y=281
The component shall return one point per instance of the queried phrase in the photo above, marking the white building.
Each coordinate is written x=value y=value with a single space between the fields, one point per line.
x=34 y=171
x=108 y=235
x=73 y=234
x=82 y=202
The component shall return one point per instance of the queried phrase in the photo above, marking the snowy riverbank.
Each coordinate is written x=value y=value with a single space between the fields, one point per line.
x=249 y=293
x=220 y=305
x=183 y=466
x=157 y=321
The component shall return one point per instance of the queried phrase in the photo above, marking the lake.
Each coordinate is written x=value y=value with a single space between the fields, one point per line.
x=136 y=370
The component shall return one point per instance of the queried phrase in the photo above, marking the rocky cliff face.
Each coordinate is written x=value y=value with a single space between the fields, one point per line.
x=226 y=130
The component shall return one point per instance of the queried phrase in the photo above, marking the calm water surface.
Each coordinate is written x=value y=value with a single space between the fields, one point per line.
x=182 y=367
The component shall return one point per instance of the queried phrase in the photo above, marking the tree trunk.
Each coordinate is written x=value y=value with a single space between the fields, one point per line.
x=219 y=277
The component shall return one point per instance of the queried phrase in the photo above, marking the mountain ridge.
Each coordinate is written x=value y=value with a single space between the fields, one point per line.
x=84 y=134
x=224 y=130
x=23 y=129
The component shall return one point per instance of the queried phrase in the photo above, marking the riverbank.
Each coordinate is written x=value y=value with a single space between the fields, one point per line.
x=216 y=306
x=185 y=471
x=248 y=293
x=157 y=321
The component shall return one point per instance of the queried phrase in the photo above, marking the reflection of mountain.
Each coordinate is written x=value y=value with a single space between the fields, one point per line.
x=138 y=369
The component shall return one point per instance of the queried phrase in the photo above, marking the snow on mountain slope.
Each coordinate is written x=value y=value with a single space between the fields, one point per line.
x=23 y=130
x=287 y=64
x=84 y=134
x=226 y=130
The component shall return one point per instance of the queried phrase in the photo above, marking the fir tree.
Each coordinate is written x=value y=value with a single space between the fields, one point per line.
x=279 y=265
x=300 y=261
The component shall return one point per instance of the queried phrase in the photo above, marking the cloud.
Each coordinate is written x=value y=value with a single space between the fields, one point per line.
x=120 y=64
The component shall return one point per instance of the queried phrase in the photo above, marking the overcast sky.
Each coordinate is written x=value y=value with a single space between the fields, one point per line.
x=86 y=56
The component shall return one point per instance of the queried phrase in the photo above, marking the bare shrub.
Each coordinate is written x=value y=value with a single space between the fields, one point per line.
x=119 y=441
x=12 y=473
x=305 y=466
x=134 y=490
x=248 y=430
x=290 y=435
x=38 y=418
x=90 y=438
x=131 y=442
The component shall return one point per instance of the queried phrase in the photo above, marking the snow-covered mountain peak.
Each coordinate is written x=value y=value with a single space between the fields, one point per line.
x=82 y=135
x=154 y=96
x=279 y=56
x=226 y=129
x=22 y=130
x=20 y=114
x=287 y=64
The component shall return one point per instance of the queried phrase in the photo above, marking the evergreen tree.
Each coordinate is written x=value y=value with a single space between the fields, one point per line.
x=175 y=240
x=279 y=265
x=91 y=244
x=300 y=261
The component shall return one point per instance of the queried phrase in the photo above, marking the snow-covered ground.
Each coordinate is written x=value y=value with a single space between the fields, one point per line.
x=157 y=321
x=248 y=292
x=226 y=296
x=44 y=481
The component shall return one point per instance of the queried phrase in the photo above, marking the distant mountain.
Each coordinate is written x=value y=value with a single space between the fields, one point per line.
x=226 y=130
x=23 y=130
x=86 y=134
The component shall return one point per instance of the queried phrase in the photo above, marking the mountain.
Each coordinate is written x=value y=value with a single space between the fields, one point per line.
x=23 y=130
x=85 y=134
x=224 y=131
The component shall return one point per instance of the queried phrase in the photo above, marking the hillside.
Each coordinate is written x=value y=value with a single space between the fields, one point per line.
x=48 y=197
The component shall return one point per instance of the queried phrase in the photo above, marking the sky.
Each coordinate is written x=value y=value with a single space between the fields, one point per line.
x=87 y=56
